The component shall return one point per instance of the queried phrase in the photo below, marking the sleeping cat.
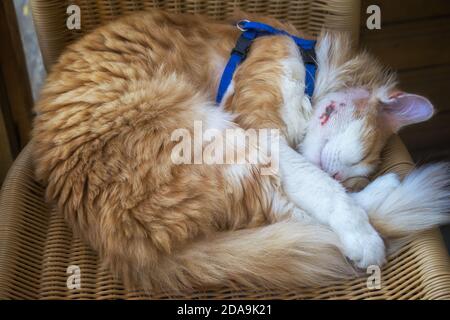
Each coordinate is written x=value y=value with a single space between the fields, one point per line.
x=102 y=145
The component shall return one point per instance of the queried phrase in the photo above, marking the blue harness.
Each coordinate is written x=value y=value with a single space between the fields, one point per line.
x=252 y=30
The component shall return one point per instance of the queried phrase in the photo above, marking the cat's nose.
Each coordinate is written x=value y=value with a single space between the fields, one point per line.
x=337 y=176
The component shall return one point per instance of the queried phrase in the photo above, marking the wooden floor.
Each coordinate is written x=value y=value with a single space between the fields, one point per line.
x=415 y=40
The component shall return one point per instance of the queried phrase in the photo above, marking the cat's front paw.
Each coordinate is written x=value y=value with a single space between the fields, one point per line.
x=360 y=242
x=364 y=247
x=377 y=191
x=385 y=184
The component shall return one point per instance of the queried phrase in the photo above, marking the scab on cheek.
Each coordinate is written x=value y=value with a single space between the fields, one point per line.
x=328 y=111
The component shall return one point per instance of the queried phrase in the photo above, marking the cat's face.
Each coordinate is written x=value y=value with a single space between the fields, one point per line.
x=356 y=107
x=349 y=128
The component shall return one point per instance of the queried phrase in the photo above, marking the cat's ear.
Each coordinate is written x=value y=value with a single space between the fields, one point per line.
x=401 y=109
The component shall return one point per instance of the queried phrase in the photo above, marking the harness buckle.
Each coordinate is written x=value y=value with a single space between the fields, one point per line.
x=242 y=46
x=308 y=55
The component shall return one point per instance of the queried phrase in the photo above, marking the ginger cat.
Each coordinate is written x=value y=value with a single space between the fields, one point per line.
x=103 y=145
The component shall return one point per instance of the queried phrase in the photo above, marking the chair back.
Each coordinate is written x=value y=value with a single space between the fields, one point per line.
x=50 y=16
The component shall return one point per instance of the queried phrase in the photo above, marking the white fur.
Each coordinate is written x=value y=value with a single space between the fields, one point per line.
x=228 y=93
x=296 y=107
x=419 y=202
x=324 y=198
x=216 y=118
x=377 y=191
x=313 y=190
x=336 y=145
x=327 y=73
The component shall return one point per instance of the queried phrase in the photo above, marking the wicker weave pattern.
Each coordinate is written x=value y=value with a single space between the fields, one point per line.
x=36 y=247
x=307 y=15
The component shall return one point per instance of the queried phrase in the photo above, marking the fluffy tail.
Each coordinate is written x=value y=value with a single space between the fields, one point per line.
x=284 y=254
x=422 y=201
x=292 y=253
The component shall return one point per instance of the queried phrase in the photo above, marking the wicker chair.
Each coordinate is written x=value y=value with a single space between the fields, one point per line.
x=36 y=246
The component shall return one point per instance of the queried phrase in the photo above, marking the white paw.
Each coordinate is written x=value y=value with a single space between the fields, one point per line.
x=364 y=248
x=377 y=191
x=387 y=182
x=360 y=241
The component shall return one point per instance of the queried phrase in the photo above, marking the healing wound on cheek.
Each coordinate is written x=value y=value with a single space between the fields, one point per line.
x=328 y=111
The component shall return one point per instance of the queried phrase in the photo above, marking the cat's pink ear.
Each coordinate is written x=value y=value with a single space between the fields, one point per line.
x=402 y=109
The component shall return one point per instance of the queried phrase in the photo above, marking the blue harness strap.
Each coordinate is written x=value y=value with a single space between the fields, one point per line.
x=252 y=30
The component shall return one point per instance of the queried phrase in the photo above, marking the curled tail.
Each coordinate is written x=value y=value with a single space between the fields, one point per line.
x=292 y=253
x=420 y=202
x=285 y=254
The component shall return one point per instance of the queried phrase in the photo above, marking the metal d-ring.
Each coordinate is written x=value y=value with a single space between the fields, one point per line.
x=238 y=25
